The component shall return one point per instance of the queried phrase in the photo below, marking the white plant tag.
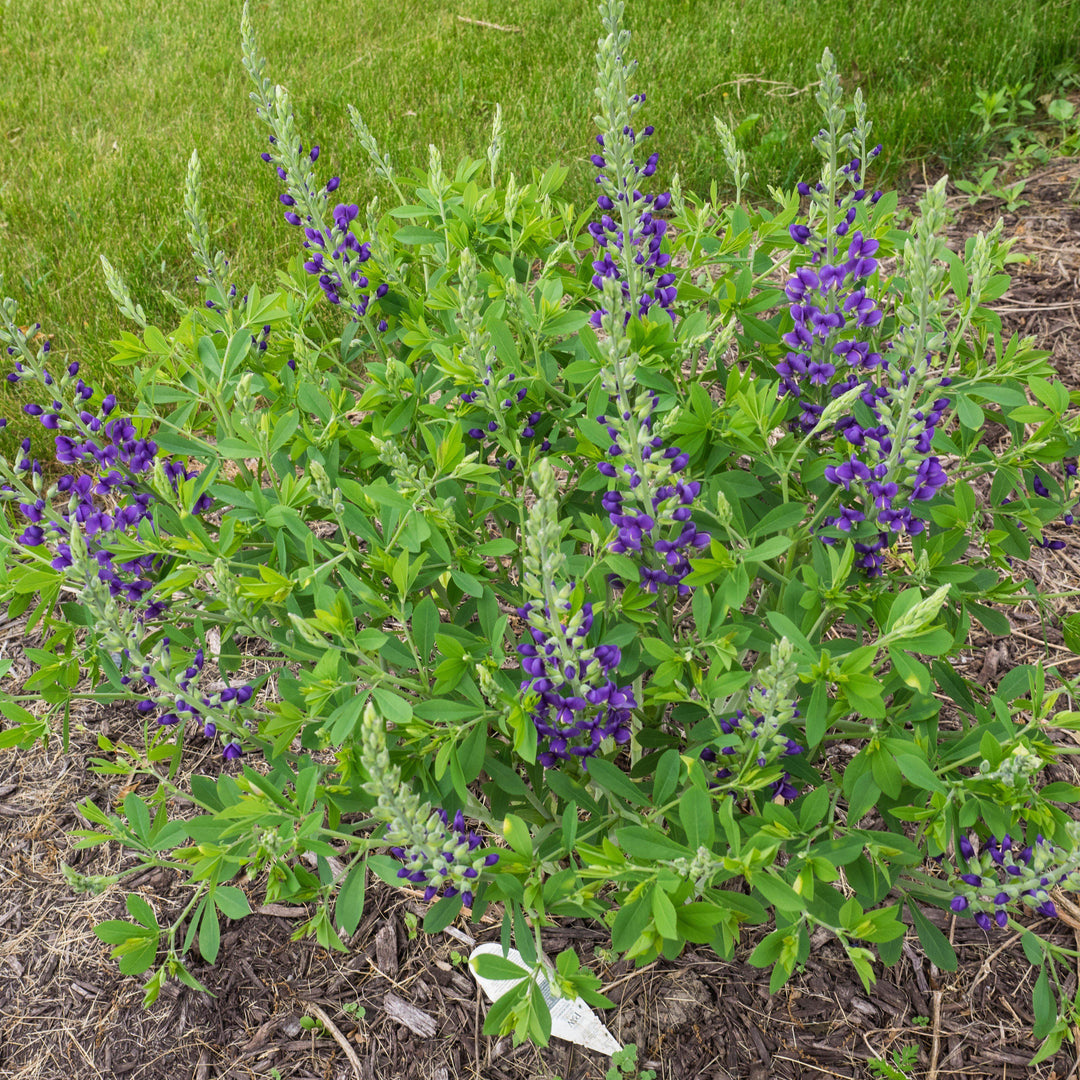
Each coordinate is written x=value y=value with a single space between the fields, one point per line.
x=571 y=1019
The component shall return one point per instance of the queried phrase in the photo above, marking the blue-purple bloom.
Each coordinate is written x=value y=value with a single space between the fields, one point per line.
x=116 y=457
x=629 y=233
x=456 y=843
x=1002 y=874
x=570 y=693
x=654 y=517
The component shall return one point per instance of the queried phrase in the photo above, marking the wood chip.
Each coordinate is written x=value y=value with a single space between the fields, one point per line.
x=416 y=1020
x=386 y=946
x=282 y=911
x=459 y=935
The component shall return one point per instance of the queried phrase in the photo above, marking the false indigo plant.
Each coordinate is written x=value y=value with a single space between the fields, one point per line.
x=576 y=556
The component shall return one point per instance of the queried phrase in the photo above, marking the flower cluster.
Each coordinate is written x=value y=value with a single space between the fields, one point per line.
x=646 y=234
x=629 y=231
x=525 y=423
x=835 y=347
x=437 y=873
x=751 y=746
x=173 y=707
x=890 y=470
x=835 y=354
x=337 y=256
x=570 y=694
x=496 y=407
x=438 y=853
x=833 y=342
x=752 y=740
x=117 y=458
x=1007 y=871
x=834 y=318
x=654 y=518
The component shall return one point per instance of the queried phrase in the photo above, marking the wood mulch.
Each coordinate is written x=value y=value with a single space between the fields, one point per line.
x=401 y=1005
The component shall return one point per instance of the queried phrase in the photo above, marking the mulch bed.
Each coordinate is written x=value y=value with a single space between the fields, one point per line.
x=404 y=1004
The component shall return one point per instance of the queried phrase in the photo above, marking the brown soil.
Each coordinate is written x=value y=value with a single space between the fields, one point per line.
x=65 y=1011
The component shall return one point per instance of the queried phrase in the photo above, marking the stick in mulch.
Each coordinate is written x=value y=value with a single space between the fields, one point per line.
x=320 y=1014
x=935 y=1046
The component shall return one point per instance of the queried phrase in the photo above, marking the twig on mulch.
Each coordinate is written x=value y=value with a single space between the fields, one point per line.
x=935 y=1046
x=320 y=1014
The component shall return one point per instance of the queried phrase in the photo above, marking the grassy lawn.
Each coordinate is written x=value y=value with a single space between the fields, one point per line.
x=102 y=103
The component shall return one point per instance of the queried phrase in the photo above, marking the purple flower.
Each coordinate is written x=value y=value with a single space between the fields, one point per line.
x=574 y=705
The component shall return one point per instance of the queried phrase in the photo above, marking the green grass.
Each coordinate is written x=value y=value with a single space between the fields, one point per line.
x=101 y=105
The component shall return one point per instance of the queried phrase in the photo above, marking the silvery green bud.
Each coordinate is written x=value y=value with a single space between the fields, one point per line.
x=122 y=295
x=724 y=512
x=495 y=146
x=734 y=158
x=919 y=617
x=381 y=162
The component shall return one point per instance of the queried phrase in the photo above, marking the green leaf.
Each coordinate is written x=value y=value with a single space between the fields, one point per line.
x=768 y=549
x=385 y=869
x=698 y=818
x=417 y=234
x=935 y=944
x=117 y=931
x=915 y=770
x=492 y=966
x=467 y=583
x=516 y=834
x=349 y=907
x=137 y=956
x=663 y=912
x=970 y=414
x=667 y=775
x=1046 y=1011
x=640 y=842
x=210 y=359
x=785 y=516
x=209 y=935
x=778 y=893
x=441 y=914
x=231 y=902
x=611 y=778
x=138 y=814
x=141 y=911
x=996 y=623
x=496 y=1021
x=630 y=921
x=424 y=624
x=392 y=707
x=1060 y=791
x=1033 y=948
